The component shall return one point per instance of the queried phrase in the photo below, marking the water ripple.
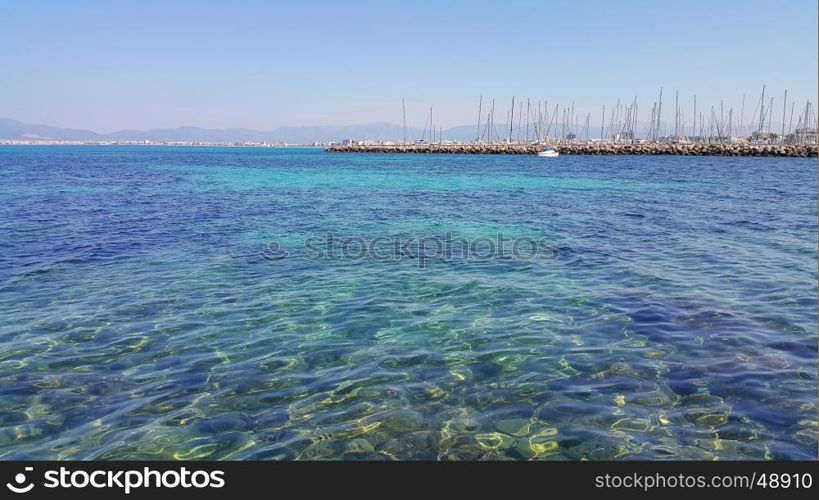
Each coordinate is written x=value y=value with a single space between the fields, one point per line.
x=140 y=320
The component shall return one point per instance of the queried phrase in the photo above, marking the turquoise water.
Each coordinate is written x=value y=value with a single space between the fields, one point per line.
x=144 y=313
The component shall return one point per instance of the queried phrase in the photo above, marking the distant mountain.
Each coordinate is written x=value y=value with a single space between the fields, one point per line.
x=193 y=134
x=13 y=129
x=375 y=131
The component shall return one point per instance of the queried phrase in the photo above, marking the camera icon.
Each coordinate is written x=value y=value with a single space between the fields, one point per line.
x=274 y=251
x=20 y=480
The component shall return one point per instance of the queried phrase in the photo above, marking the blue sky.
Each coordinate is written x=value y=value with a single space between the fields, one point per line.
x=261 y=64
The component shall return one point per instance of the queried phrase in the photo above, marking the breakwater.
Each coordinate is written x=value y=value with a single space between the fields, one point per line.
x=789 y=150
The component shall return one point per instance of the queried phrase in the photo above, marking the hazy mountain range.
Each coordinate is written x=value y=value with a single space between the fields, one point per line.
x=13 y=129
x=16 y=130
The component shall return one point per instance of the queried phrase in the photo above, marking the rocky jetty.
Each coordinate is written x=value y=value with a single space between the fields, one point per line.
x=788 y=150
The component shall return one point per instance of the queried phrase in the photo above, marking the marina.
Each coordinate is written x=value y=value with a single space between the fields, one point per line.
x=537 y=126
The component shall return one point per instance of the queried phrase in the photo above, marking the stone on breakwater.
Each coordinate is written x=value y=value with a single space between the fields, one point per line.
x=787 y=150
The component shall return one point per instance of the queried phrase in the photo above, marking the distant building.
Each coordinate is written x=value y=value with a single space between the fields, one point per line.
x=763 y=136
x=804 y=135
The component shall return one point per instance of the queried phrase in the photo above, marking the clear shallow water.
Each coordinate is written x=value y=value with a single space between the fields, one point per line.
x=139 y=318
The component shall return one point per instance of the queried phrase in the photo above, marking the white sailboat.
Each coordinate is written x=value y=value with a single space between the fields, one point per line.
x=548 y=153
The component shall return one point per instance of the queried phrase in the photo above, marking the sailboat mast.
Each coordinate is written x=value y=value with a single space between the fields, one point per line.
x=520 y=118
x=742 y=115
x=404 y=114
x=431 y=127
x=511 y=118
x=694 y=126
x=659 y=110
x=770 y=115
x=784 y=107
x=790 y=121
x=492 y=121
x=677 y=115
x=478 y=135
x=528 y=109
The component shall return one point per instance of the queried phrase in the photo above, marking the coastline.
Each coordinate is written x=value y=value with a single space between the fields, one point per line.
x=163 y=144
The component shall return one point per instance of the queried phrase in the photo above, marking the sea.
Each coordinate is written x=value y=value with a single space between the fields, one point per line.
x=203 y=303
